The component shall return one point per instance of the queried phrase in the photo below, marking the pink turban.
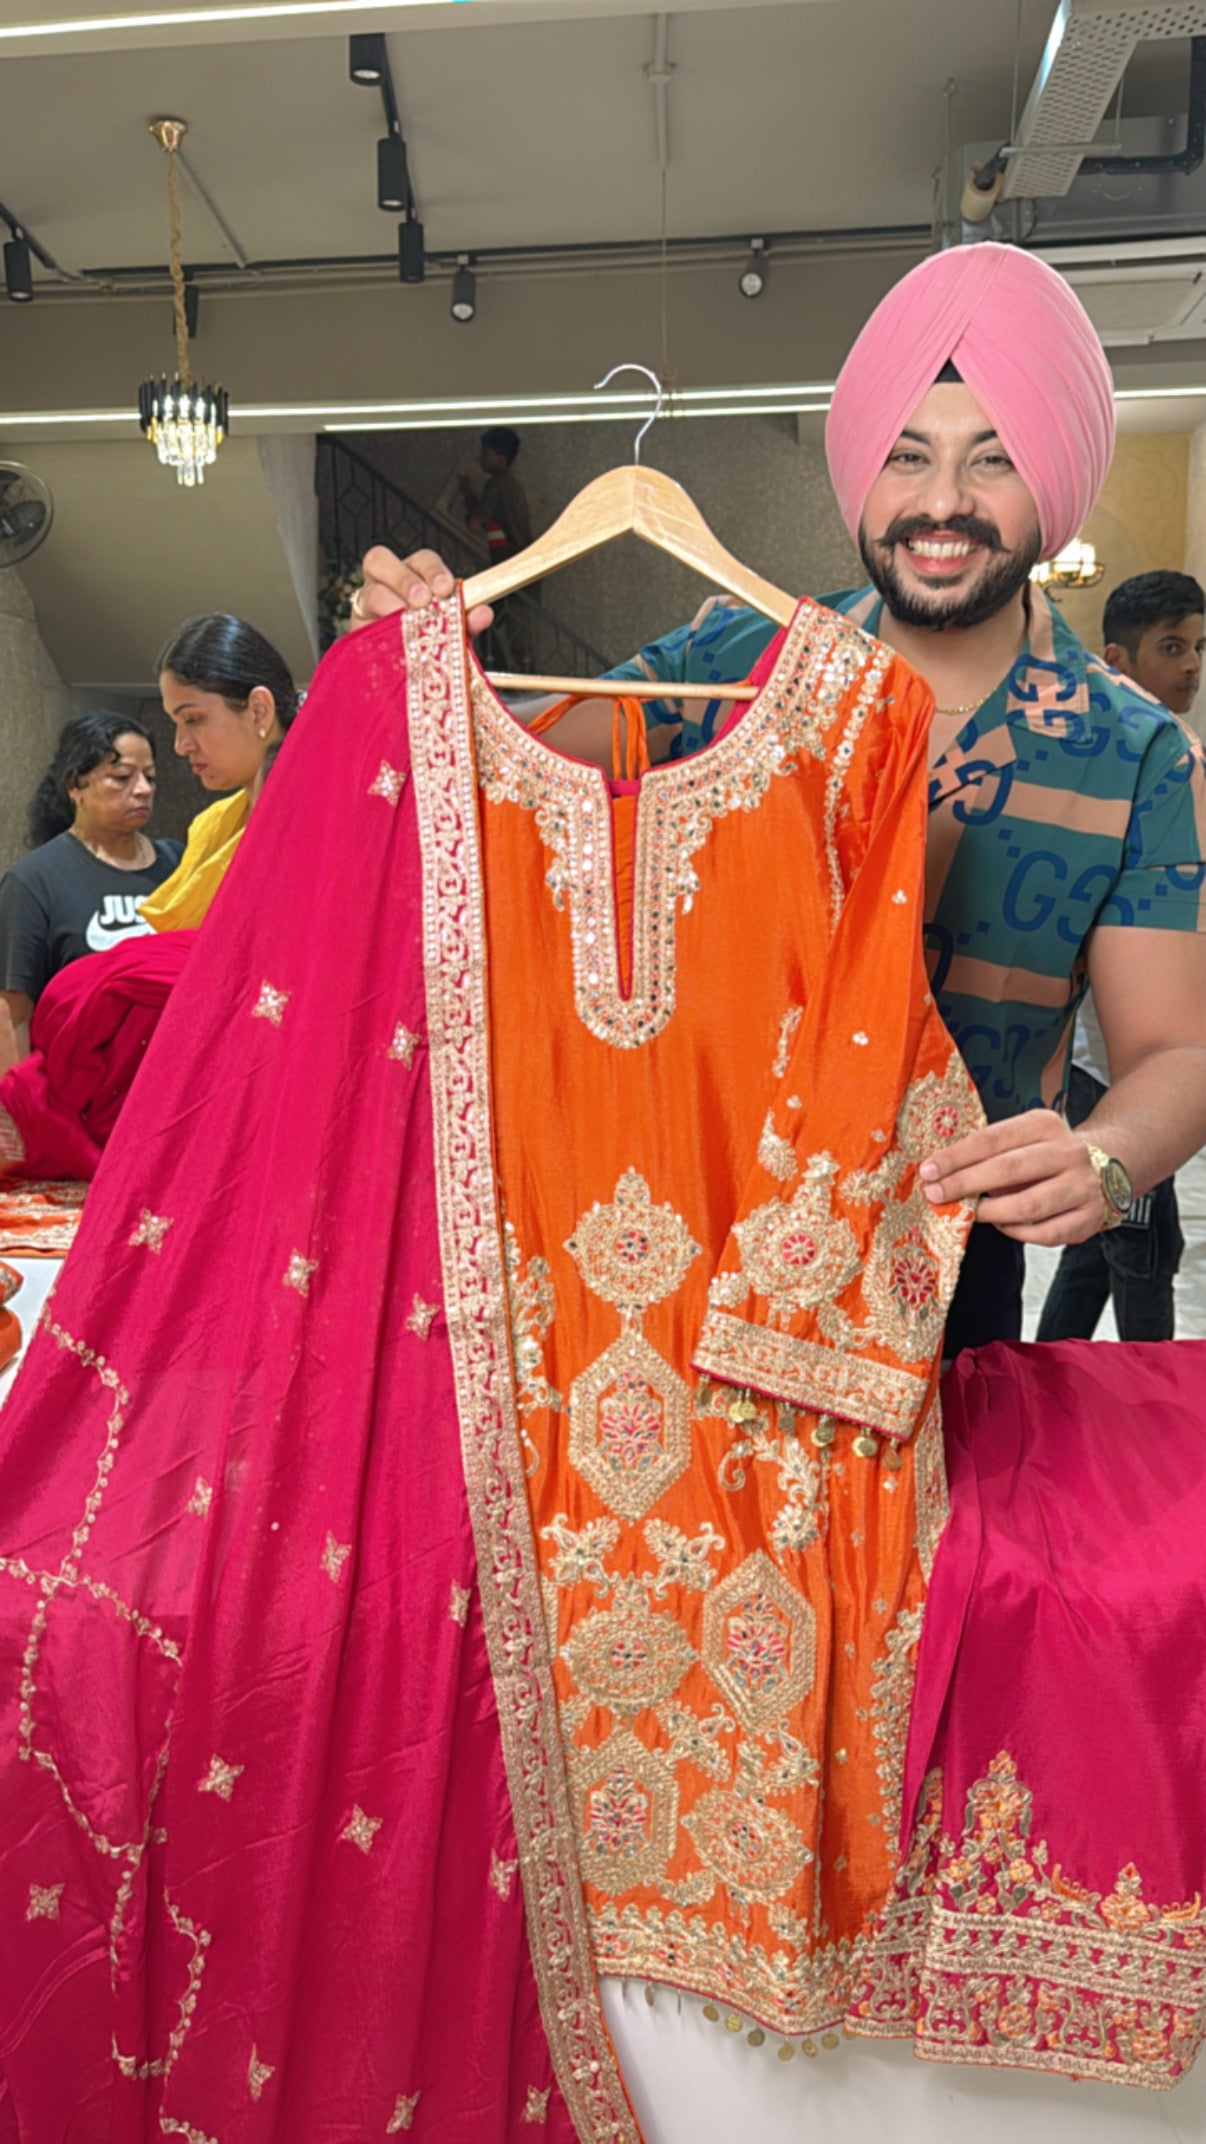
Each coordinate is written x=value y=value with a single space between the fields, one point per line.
x=1023 y=343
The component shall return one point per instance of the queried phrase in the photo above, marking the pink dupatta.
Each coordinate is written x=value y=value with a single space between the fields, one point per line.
x=287 y=1853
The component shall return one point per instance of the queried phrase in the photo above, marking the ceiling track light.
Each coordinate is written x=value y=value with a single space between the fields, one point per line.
x=393 y=176
x=464 y=290
x=752 y=280
x=367 y=60
x=412 y=257
x=18 y=270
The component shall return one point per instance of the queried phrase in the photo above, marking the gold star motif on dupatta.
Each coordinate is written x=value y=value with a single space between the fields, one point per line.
x=201 y=1499
x=270 y=1004
x=361 y=1829
x=404 y=1045
x=403 y=2114
x=502 y=1875
x=298 y=1271
x=220 y=1779
x=389 y=784
x=258 y=2074
x=44 y=1901
x=537 y=2108
x=420 y=1317
x=334 y=1556
x=151 y=1230
x=458 y=1605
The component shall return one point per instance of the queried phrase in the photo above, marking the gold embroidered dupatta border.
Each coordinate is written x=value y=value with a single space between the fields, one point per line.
x=445 y=779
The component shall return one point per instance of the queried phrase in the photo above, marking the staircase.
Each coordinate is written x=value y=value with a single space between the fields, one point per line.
x=358 y=507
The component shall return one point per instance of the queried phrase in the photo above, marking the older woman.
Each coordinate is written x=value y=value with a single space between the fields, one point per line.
x=90 y=861
x=230 y=698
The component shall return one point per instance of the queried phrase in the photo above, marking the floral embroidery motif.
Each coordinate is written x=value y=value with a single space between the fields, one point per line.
x=258 y=2074
x=403 y=2114
x=681 y=1562
x=389 y=783
x=361 y=1829
x=580 y=1555
x=420 y=1316
x=777 y=1155
x=458 y=1603
x=44 y=1901
x=536 y=2107
x=625 y=1657
x=756 y=1852
x=299 y=1271
x=335 y=1554
x=861 y=1040
x=759 y=1642
x=990 y=1955
x=891 y=1700
x=910 y=1276
x=502 y=1875
x=270 y=1004
x=797 y=1252
x=821 y=659
x=201 y=1499
x=630 y=1430
x=533 y=1308
x=628 y=1807
x=632 y=1253
x=787 y=1032
x=151 y=1230
x=220 y=1779
x=403 y=1046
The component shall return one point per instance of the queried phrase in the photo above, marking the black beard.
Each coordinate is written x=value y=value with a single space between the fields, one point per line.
x=1008 y=572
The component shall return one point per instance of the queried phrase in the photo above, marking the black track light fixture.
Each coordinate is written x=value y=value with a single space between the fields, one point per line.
x=367 y=62
x=393 y=178
x=18 y=274
x=752 y=280
x=464 y=290
x=411 y=252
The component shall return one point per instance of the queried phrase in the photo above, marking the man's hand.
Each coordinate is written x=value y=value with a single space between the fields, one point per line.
x=392 y=584
x=1031 y=1174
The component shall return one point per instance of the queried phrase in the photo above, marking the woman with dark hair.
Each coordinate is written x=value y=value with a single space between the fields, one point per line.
x=90 y=861
x=230 y=698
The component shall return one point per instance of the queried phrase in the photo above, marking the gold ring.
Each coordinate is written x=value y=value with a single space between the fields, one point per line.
x=354 y=605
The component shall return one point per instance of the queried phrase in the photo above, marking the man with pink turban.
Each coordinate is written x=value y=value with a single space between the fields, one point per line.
x=971 y=430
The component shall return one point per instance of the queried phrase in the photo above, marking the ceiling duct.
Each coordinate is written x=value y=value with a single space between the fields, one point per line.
x=1085 y=59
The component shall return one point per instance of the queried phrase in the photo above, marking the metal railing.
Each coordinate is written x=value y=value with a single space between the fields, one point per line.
x=358 y=507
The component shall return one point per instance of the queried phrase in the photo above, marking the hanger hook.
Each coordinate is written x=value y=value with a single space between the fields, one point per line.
x=658 y=389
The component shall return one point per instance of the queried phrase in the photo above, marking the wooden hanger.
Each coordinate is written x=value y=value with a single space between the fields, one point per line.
x=639 y=502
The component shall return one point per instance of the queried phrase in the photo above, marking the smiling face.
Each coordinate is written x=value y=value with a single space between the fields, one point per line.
x=949 y=532
x=223 y=745
x=116 y=797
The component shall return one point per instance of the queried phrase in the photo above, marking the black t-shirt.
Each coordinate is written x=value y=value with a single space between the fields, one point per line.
x=60 y=901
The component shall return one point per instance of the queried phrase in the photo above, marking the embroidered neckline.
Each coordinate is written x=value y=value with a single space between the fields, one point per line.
x=814 y=672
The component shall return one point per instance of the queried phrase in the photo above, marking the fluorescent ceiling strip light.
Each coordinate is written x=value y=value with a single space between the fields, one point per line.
x=192 y=17
x=586 y=416
x=441 y=413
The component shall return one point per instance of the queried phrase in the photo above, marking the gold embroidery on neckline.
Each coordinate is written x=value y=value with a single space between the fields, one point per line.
x=821 y=658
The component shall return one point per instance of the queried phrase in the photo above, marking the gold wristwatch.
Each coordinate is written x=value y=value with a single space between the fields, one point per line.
x=1114 y=1183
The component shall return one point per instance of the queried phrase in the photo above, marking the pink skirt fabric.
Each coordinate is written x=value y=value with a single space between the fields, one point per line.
x=1049 y=1912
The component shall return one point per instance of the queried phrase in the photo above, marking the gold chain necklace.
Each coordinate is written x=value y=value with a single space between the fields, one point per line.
x=969 y=710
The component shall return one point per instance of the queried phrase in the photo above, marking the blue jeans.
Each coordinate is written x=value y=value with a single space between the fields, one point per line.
x=1134 y=1266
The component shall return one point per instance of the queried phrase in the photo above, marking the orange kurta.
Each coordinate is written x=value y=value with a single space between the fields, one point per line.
x=706 y=1142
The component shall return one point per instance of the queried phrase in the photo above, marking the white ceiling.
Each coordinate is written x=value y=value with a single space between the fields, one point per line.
x=829 y=114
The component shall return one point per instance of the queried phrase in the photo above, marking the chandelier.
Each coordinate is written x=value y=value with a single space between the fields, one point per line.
x=1075 y=566
x=185 y=423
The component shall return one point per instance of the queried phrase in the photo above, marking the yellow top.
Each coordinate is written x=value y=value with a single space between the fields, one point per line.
x=183 y=900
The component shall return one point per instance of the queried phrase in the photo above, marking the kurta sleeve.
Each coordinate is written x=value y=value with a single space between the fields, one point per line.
x=832 y=1290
